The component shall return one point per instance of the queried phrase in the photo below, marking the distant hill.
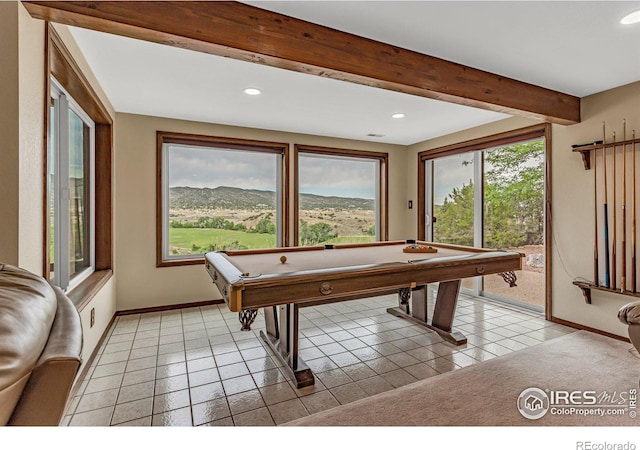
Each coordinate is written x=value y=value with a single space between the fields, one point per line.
x=248 y=199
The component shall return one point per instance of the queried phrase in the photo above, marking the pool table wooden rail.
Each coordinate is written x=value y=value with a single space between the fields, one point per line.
x=241 y=292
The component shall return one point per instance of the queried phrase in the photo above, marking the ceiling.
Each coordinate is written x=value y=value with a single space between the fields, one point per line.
x=577 y=48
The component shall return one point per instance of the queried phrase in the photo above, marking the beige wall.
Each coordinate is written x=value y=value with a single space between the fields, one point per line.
x=573 y=213
x=9 y=154
x=21 y=127
x=140 y=283
x=31 y=130
x=105 y=307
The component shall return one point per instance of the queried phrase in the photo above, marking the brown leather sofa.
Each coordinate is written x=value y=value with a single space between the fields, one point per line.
x=630 y=314
x=40 y=349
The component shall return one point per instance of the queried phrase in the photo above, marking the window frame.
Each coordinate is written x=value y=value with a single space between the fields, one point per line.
x=185 y=139
x=64 y=103
x=60 y=64
x=383 y=183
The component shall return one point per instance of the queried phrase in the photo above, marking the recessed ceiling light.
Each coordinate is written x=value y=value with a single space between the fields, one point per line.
x=397 y=115
x=634 y=17
x=252 y=91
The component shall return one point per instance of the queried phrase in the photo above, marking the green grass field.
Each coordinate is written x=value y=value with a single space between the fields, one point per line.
x=184 y=241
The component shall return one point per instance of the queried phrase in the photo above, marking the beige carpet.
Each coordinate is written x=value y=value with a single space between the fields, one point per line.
x=486 y=394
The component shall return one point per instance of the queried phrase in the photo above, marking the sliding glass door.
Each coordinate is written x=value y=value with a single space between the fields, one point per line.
x=492 y=198
x=453 y=217
x=514 y=216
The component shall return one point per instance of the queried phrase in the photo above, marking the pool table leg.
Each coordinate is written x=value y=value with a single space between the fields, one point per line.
x=443 y=312
x=282 y=337
x=246 y=318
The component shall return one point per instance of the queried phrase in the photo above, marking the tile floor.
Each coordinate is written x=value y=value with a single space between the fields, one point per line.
x=194 y=366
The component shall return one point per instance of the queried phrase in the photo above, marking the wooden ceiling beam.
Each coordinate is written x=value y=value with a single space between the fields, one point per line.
x=247 y=33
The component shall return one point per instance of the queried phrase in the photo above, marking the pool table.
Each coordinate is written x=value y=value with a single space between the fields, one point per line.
x=282 y=280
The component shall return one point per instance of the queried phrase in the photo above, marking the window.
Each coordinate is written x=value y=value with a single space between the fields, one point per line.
x=70 y=161
x=77 y=216
x=453 y=198
x=491 y=193
x=341 y=196
x=218 y=194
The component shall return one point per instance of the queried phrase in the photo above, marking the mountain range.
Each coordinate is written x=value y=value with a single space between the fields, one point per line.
x=224 y=197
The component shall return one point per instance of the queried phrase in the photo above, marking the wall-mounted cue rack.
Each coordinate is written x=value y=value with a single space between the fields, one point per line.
x=615 y=209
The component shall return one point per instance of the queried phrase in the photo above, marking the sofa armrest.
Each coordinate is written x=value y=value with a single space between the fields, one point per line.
x=630 y=313
x=45 y=396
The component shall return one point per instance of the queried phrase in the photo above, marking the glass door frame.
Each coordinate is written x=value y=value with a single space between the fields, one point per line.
x=478 y=146
x=478 y=210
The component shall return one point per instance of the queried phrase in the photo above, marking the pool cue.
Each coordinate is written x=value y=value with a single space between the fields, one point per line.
x=623 y=256
x=607 y=267
x=596 y=265
x=614 y=241
x=633 y=217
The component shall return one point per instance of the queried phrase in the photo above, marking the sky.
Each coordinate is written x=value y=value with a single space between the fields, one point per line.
x=206 y=167
x=337 y=176
x=450 y=172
